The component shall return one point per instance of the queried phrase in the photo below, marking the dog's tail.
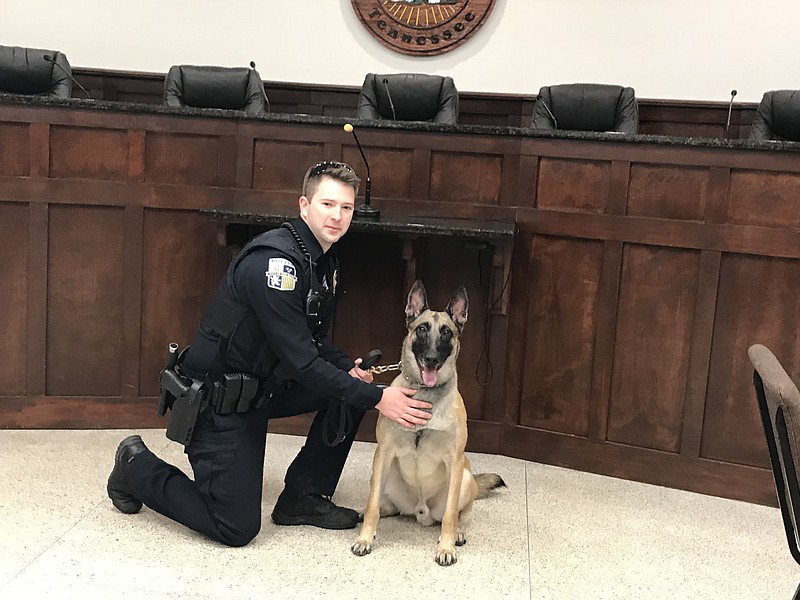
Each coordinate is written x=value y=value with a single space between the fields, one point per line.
x=488 y=482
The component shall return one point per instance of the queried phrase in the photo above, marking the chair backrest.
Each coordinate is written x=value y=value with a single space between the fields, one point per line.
x=586 y=107
x=409 y=97
x=777 y=117
x=234 y=88
x=25 y=71
x=779 y=405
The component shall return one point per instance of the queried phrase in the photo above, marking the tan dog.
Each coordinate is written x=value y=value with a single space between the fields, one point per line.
x=423 y=471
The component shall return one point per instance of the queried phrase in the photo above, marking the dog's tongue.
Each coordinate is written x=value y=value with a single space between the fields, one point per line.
x=429 y=376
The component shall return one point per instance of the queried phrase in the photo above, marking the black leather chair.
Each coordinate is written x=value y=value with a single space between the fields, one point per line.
x=779 y=405
x=233 y=88
x=777 y=117
x=409 y=97
x=586 y=107
x=25 y=71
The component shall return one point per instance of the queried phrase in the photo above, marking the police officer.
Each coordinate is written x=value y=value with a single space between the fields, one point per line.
x=262 y=351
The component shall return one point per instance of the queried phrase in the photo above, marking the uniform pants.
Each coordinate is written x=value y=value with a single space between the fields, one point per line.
x=227 y=457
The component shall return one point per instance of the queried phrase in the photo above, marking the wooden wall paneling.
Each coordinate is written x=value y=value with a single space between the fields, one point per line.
x=245 y=160
x=189 y=159
x=702 y=336
x=618 y=184
x=510 y=179
x=390 y=170
x=491 y=368
x=38 y=248
x=442 y=276
x=469 y=178
x=40 y=150
x=573 y=185
x=718 y=195
x=177 y=284
x=641 y=464
x=88 y=153
x=754 y=159
x=135 y=156
x=668 y=191
x=84 y=301
x=651 y=346
x=420 y=174
x=560 y=334
x=14 y=255
x=280 y=165
x=527 y=182
x=15 y=149
x=521 y=288
x=227 y=161
x=604 y=340
x=132 y=252
x=664 y=232
x=758 y=302
x=370 y=312
x=774 y=193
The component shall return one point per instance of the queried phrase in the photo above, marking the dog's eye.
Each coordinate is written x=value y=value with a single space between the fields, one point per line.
x=445 y=333
x=422 y=329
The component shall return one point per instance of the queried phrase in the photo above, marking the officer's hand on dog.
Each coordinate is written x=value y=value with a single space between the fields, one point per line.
x=360 y=373
x=398 y=405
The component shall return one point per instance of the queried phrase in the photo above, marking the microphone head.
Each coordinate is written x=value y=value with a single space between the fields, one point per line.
x=348 y=128
x=253 y=65
x=734 y=92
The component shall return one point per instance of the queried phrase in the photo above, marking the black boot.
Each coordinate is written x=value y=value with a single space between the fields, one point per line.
x=117 y=486
x=312 y=509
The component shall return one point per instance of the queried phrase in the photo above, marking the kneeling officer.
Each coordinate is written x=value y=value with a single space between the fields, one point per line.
x=262 y=352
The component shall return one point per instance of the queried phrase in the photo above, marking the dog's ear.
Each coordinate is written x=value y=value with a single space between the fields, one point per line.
x=417 y=301
x=458 y=307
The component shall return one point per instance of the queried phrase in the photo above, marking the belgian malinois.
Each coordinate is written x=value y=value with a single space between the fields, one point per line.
x=423 y=471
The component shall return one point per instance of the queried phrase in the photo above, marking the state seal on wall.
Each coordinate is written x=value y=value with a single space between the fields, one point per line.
x=422 y=27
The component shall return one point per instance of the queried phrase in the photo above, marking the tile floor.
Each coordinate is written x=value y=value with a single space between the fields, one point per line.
x=554 y=534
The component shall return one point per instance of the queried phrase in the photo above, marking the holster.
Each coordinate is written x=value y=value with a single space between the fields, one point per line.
x=185 y=410
x=186 y=397
x=183 y=396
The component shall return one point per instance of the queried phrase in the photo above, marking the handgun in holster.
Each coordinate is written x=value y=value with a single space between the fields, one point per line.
x=183 y=396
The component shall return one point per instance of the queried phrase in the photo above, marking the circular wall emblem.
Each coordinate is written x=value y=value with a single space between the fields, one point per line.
x=422 y=27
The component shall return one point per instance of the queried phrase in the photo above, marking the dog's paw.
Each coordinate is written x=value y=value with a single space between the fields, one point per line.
x=461 y=538
x=445 y=556
x=361 y=548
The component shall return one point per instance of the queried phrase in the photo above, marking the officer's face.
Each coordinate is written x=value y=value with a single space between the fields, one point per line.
x=329 y=211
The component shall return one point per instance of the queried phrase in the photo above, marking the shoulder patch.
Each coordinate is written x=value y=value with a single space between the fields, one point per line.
x=281 y=274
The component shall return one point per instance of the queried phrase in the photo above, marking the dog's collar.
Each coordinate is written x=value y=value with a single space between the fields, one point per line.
x=423 y=387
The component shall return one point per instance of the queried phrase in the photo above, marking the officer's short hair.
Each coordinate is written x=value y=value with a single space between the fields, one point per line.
x=335 y=170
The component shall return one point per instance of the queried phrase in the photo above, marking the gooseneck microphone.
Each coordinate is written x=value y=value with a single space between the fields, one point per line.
x=549 y=112
x=388 y=95
x=364 y=211
x=730 y=108
x=50 y=59
x=261 y=83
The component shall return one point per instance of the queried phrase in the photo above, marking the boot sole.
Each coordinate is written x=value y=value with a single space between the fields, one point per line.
x=281 y=519
x=129 y=504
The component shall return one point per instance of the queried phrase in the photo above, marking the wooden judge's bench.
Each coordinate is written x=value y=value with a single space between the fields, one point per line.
x=615 y=283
